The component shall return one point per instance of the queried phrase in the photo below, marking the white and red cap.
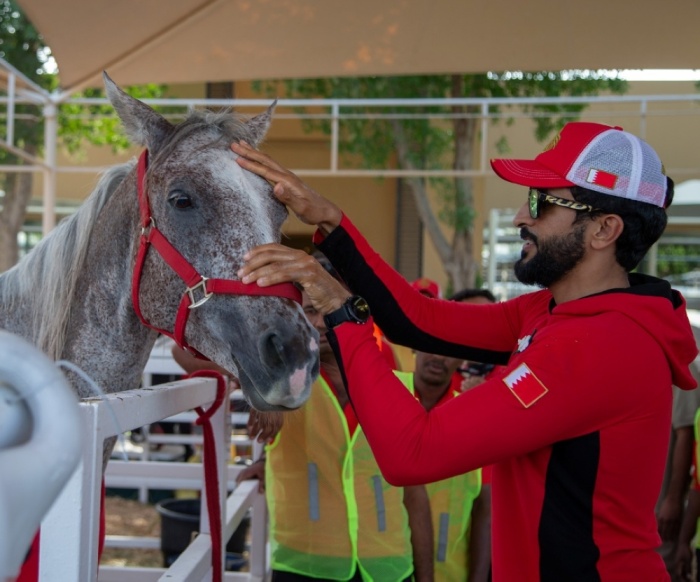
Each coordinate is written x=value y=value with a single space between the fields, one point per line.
x=594 y=156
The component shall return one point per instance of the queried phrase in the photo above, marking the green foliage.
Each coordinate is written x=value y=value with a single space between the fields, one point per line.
x=97 y=124
x=676 y=259
x=22 y=46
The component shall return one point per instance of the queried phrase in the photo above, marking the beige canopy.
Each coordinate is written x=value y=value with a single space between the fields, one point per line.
x=181 y=41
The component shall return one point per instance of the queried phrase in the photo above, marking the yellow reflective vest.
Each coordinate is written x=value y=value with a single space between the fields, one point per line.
x=330 y=508
x=451 y=502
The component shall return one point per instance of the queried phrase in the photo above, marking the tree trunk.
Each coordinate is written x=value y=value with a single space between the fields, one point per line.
x=18 y=192
x=417 y=187
x=463 y=268
x=456 y=255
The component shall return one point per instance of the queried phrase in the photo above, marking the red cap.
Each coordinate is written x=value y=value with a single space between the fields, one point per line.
x=594 y=156
x=427 y=287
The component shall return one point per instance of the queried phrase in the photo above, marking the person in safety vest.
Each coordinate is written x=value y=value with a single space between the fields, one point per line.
x=577 y=422
x=462 y=533
x=333 y=516
x=687 y=554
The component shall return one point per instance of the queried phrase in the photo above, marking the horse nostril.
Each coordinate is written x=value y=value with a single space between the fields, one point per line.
x=272 y=350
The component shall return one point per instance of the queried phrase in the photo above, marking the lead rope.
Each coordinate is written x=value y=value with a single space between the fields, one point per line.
x=211 y=475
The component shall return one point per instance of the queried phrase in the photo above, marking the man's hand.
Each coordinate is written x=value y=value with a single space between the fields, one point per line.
x=669 y=519
x=254 y=471
x=274 y=263
x=683 y=564
x=309 y=206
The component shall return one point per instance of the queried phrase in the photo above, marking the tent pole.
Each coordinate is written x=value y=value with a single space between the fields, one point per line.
x=50 y=138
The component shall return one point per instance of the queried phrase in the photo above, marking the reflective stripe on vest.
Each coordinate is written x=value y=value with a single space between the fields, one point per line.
x=330 y=508
x=451 y=502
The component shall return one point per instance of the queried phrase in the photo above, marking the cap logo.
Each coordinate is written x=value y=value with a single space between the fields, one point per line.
x=602 y=178
x=552 y=144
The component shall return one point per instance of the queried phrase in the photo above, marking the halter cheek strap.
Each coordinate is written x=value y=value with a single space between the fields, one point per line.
x=198 y=288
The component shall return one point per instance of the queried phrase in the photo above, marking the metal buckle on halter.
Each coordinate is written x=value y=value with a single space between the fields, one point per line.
x=151 y=224
x=194 y=302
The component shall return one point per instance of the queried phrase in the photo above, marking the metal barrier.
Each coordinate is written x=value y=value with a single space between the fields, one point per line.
x=69 y=533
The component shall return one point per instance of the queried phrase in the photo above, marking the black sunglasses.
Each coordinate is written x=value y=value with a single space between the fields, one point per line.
x=536 y=198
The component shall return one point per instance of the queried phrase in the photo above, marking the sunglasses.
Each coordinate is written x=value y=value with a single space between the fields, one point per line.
x=536 y=198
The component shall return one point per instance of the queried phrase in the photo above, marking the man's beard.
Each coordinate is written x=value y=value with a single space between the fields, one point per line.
x=555 y=257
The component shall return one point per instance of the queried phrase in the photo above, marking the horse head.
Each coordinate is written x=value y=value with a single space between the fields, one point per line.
x=211 y=211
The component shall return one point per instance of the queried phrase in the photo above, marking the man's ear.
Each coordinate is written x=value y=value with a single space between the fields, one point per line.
x=608 y=228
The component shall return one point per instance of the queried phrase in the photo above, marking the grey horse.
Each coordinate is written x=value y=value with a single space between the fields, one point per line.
x=73 y=296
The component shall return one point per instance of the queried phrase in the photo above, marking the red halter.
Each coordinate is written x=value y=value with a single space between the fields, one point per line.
x=199 y=289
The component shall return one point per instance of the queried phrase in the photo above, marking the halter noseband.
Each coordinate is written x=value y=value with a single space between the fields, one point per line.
x=199 y=289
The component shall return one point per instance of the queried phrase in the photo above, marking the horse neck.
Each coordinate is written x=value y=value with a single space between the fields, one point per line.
x=105 y=337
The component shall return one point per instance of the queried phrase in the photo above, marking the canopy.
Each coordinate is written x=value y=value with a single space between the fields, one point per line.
x=183 y=41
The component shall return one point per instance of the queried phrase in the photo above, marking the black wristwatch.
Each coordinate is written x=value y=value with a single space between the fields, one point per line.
x=354 y=309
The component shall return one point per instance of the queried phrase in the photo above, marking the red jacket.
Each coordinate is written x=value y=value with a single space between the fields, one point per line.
x=577 y=423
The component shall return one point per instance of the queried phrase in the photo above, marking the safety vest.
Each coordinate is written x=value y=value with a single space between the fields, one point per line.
x=451 y=502
x=330 y=508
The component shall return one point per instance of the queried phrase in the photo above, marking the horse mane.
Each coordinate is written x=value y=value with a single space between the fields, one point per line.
x=45 y=279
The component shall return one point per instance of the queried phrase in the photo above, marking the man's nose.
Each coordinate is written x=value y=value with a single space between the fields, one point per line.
x=522 y=217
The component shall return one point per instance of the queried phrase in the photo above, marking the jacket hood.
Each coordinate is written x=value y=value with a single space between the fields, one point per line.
x=653 y=305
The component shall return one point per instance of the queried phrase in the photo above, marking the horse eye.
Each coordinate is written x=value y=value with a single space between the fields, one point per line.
x=179 y=200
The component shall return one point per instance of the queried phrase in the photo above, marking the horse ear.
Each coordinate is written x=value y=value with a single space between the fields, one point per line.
x=257 y=126
x=142 y=124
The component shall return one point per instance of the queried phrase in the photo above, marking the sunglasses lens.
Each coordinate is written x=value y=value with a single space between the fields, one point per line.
x=534 y=203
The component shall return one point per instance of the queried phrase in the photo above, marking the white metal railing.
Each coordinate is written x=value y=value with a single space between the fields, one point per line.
x=161 y=362
x=69 y=532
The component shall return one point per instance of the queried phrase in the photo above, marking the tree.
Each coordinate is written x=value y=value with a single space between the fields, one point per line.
x=421 y=143
x=24 y=48
x=21 y=45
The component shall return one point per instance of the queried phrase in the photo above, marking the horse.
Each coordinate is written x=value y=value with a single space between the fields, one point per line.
x=95 y=292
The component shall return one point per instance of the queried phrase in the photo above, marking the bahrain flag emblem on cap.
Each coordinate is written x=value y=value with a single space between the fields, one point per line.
x=602 y=178
x=525 y=386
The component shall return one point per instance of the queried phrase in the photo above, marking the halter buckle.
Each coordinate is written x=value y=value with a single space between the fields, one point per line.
x=146 y=229
x=201 y=287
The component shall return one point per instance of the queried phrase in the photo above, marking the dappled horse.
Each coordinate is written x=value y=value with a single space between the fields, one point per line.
x=155 y=248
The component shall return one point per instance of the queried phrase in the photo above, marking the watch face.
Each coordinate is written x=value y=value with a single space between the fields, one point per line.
x=361 y=308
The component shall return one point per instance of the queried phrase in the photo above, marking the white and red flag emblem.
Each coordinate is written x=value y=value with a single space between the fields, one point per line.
x=525 y=386
x=602 y=178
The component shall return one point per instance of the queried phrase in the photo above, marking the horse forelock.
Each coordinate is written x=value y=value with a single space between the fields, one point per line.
x=224 y=126
x=44 y=281
x=208 y=131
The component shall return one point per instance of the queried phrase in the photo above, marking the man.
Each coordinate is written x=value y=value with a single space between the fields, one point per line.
x=677 y=475
x=332 y=515
x=474 y=373
x=577 y=423
x=684 y=553
x=462 y=546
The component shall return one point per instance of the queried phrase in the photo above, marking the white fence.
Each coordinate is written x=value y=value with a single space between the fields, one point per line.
x=69 y=533
x=161 y=363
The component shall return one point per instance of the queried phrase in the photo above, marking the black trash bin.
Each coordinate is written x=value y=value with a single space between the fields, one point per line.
x=179 y=522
